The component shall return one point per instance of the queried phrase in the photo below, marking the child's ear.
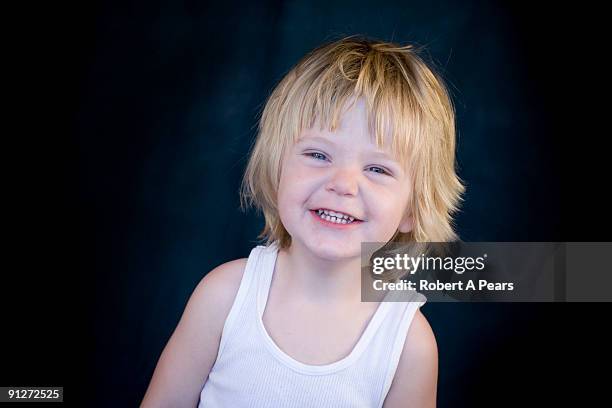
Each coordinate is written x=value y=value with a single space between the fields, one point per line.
x=406 y=224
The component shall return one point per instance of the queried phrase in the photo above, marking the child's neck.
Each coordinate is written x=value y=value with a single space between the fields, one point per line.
x=320 y=280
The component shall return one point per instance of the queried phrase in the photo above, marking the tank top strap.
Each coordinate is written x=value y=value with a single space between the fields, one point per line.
x=265 y=272
x=246 y=292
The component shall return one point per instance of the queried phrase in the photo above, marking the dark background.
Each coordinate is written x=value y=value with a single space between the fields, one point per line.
x=128 y=131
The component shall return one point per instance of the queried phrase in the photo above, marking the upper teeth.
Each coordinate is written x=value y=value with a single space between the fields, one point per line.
x=335 y=216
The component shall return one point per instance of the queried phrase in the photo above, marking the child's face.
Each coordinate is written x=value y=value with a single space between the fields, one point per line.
x=343 y=171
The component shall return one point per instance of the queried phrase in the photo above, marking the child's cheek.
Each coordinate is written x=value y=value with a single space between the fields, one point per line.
x=296 y=185
x=306 y=172
x=383 y=194
x=384 y=201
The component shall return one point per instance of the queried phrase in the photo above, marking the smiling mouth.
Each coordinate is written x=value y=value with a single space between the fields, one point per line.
x=335 y=217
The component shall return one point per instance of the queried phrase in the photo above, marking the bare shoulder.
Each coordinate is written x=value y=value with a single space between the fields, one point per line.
x=212 y=298
x=220 y=286
x=191 y=351
x=416 y=378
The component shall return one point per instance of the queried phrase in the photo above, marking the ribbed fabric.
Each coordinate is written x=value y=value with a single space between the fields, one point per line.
x=252 y=371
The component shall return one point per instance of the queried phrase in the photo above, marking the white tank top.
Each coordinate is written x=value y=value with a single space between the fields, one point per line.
x=252 y=371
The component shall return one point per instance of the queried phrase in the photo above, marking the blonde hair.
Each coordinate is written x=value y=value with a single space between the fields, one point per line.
x=403 y=98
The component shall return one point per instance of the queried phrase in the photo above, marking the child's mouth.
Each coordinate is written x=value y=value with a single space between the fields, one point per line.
x=335 y=220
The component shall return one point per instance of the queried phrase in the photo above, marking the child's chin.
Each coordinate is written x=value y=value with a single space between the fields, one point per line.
x=334 y=251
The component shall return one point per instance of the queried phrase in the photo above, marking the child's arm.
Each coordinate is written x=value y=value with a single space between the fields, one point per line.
x=416 y=377
x=186 y=360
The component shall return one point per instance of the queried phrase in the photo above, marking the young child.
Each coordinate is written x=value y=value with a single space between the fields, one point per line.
x=356 y=144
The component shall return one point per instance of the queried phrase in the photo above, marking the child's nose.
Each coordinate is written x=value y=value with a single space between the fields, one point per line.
x=344 y=182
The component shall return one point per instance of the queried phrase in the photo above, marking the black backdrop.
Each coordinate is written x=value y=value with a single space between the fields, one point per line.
x=134 y=120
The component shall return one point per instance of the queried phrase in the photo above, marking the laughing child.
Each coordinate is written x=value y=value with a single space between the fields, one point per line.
x=355 y=144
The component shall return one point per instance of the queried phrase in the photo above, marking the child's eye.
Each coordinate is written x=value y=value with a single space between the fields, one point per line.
x=382 y=171
x=316 y=155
